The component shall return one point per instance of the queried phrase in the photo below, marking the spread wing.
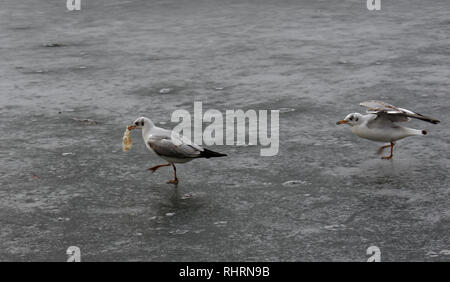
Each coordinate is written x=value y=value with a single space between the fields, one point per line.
x=389 y=112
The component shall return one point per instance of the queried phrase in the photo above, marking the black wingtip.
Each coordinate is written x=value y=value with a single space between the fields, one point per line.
x=211 y=154
x=432 y=120
x=424 y=132
x=428 y=119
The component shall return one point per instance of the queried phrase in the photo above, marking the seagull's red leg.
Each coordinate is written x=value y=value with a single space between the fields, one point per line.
x=153 y=169
x=175 y=181
x=392 y=152
x=382 y=149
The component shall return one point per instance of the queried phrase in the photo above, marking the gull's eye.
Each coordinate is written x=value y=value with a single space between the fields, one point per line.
x=142 y=123
x=351 y=118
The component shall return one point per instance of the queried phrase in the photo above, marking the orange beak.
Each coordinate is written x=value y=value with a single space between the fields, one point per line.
x=131 y=127
x=341 y=122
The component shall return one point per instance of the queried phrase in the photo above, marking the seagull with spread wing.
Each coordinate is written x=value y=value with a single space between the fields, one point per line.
x=380 y=124
x=170 y=146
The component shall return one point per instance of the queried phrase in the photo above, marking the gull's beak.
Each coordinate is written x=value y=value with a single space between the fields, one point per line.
x=341 y=122
x=131 y=127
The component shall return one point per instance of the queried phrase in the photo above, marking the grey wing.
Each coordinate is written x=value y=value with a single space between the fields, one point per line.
x=387 y=111
x=378 y=120
x=393 y=117
x=378 y=106
x=179 y=139
x=163 y=146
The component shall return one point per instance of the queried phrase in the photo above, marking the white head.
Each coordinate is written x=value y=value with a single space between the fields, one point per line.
x=352 y=119
x=140 y=123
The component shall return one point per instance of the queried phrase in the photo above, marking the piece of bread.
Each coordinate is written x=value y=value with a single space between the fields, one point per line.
x=126 y=142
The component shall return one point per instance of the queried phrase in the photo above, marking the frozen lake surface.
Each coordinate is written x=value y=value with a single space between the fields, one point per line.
x=325 y=196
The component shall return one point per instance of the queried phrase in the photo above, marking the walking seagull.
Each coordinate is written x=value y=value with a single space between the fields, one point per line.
x=170 y=146
x=380 y=124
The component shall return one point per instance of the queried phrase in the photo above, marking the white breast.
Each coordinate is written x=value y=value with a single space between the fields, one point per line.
x=387 y=134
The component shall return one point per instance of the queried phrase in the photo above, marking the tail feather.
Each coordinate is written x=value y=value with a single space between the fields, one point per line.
x=210 y=154
x=415 y=132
